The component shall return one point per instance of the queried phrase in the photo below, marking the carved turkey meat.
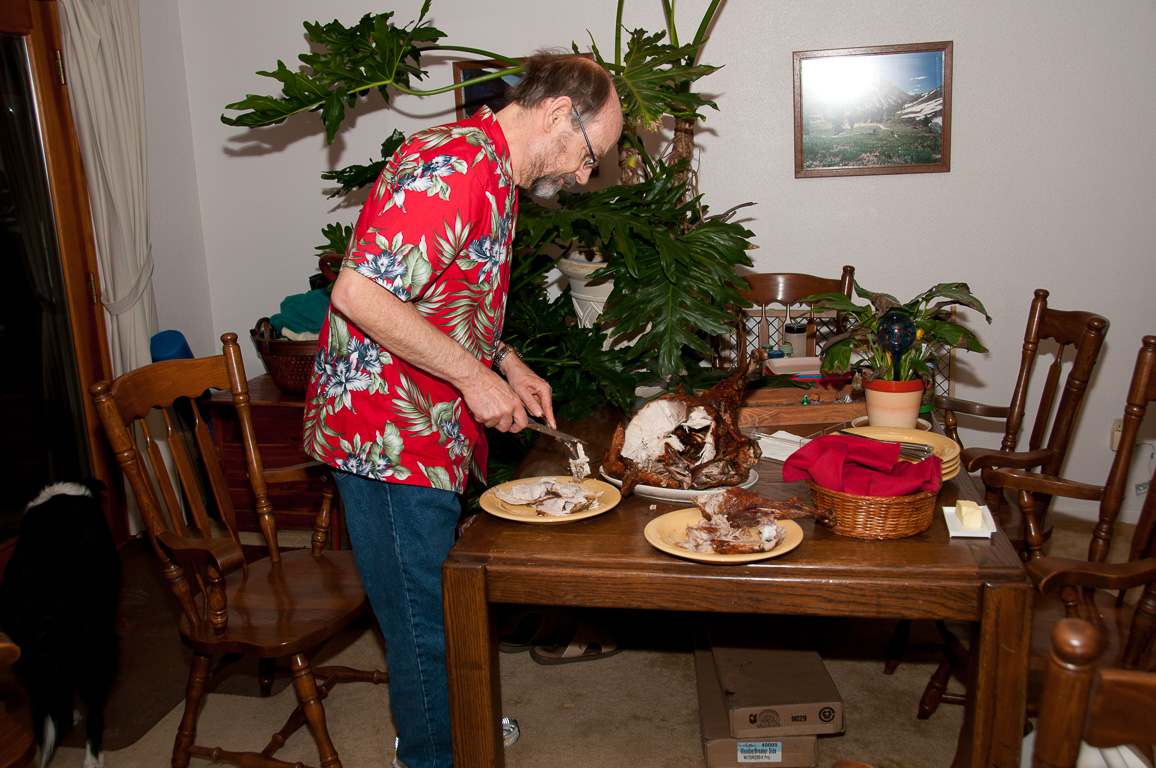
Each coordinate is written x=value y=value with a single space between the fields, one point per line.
x=685 y=441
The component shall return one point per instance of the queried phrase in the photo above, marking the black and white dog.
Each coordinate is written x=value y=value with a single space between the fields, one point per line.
x=58 y=602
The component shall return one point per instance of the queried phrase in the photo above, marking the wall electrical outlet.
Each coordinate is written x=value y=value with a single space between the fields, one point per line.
x=1117 y=428
x=1142 y=488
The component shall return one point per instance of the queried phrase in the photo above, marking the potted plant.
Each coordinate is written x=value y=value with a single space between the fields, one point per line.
x=672 y=263
x=667 y=266
x=891 y=345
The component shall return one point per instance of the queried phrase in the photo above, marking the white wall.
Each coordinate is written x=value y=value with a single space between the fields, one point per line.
x=1051 y=183
x=180 y=277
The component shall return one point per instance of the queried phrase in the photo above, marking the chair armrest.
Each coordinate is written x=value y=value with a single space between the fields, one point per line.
x=975 y=459
x=224 y=554
x=306 y=470
x=970 y=407
x=9 y=651
x=1050 y=573
x=1036 y=483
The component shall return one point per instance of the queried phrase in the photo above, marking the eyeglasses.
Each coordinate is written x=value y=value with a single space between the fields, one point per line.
x=592 y=163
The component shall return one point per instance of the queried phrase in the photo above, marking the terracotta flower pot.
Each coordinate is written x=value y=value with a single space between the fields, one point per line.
x=893 y=403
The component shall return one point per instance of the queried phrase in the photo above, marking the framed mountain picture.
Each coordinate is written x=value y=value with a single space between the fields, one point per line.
x=875 y=110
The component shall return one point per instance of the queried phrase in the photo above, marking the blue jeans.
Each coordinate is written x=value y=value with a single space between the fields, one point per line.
x=400 y=535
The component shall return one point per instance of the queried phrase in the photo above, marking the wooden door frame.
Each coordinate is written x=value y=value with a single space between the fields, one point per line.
x=38 y=21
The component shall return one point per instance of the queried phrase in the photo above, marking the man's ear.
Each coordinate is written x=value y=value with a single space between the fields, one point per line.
x=556 y=113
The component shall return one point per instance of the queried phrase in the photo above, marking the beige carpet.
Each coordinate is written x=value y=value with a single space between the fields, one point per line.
x=637 y=709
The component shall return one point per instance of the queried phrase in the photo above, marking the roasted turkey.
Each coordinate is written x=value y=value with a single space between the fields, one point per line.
x=685 y=441
x=739 y=521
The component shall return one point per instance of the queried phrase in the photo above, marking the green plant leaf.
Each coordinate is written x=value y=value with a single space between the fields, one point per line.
x=857 y=347
x=347 y=63
x=654 y=80
x=672 y=264
x=337 y=238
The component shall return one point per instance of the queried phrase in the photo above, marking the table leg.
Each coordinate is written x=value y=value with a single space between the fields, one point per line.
x=993 y=725
x=472 y=664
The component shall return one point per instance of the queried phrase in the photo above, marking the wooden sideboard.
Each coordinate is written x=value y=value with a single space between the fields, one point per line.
x=277 y=419
x=787 y=402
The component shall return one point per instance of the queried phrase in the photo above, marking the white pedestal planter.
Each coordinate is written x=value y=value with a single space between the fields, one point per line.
x=589 y=299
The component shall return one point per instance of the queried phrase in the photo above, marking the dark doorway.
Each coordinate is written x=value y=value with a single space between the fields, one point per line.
x=40 y=392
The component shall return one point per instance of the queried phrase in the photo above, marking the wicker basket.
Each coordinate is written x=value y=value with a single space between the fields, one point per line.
x=289 y=362
x=873 y=517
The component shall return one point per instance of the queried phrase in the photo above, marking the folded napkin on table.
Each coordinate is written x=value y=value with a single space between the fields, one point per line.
x=861 y=467
x=780 y=445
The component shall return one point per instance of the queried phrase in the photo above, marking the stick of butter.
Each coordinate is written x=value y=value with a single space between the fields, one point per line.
x=969 y=514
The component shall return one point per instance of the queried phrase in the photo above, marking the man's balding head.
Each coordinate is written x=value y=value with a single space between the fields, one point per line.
x=549 y=74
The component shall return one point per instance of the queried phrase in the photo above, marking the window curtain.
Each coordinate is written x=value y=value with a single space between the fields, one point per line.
x=102 y=62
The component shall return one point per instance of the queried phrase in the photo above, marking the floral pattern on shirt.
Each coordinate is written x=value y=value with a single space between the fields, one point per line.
x=436 y=232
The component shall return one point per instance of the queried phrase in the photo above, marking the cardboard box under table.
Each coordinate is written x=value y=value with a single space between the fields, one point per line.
x=721 y=749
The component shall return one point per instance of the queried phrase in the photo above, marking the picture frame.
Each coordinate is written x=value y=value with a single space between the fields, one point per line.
x=870 y=111
x=490 y=93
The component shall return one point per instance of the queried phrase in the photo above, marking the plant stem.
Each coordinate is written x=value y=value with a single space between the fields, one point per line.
x=700 y=35
x=552 y=362
x=618 y=35
x=668 y=11
x=476 y=51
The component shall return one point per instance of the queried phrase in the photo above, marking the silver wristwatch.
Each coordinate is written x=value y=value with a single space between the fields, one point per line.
x=496 y=363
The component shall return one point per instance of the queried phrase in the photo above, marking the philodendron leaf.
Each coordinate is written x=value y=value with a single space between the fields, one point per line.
x=348 y=63
x=356 y=176
x=655 y=80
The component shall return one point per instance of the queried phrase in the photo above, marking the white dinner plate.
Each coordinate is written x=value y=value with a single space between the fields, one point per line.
x=526 y=514
x=663 y=531
x=675 y=495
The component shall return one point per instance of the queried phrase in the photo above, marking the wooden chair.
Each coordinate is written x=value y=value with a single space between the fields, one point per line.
x=1084 y=332
x=773 y=294
x=17 y=746
x=1082 y=701
x=1090 y=589
x=1047 y=447
x=277 y=604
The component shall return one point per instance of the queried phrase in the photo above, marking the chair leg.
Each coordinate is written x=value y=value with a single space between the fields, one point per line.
x=933 y=693
x=896 y=645
x=310 y=699
x=194 y=695
x=328 y=677
x=266 y=671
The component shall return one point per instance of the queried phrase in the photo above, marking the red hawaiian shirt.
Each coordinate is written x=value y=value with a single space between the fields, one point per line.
x=437 y=232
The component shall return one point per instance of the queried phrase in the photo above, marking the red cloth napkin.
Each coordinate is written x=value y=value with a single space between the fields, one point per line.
x=862 y=467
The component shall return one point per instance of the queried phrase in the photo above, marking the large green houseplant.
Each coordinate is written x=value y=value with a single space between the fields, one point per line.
x=672 y=262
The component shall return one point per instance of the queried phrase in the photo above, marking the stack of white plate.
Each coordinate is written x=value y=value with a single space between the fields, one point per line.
x=944 y=447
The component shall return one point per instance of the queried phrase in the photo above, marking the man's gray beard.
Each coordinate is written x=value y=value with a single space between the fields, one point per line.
x=548 y=186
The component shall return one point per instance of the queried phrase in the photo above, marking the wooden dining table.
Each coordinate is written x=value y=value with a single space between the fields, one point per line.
x=605 y=561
